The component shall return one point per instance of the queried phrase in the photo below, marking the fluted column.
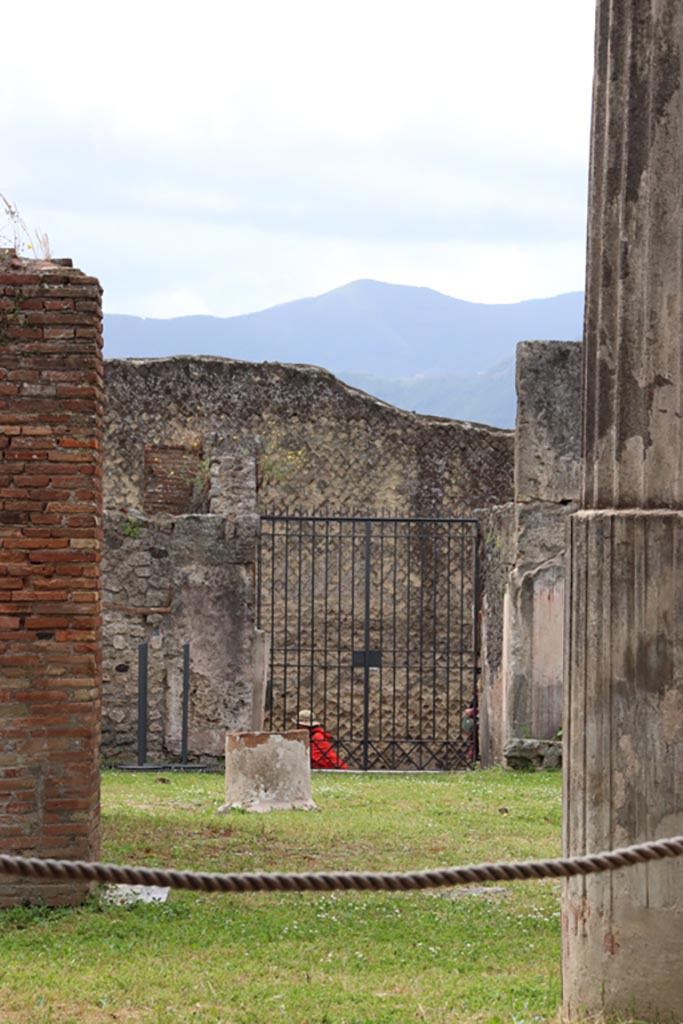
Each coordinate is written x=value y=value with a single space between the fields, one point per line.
x=633 y=383
x=622 y=932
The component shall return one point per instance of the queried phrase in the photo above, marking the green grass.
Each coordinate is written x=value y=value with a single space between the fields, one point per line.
x=492 y=955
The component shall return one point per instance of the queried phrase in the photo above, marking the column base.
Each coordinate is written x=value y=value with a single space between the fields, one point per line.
x=623 y=734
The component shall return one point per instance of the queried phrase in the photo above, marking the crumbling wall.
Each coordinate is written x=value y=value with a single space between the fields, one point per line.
x=50 y=542
x=318 y=444
x=524 y=554
x=547 y=486
x=168 y=580
x=226 y=440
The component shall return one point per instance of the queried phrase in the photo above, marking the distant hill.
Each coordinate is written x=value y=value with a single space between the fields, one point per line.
x=482 y=398
x=414 y=347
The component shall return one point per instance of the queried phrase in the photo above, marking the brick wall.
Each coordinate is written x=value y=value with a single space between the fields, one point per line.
x=172 y=478
x=50 y=541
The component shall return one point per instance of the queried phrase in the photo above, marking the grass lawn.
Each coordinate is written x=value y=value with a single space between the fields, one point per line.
x=491 y=954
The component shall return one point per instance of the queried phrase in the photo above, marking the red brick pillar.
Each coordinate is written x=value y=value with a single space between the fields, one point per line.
x=50 y=540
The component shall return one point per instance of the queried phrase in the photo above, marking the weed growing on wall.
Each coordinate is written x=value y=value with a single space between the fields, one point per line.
x=15 y=235
x=200 y=483
x=277 y=462
x=11 y=314
x=132 y=528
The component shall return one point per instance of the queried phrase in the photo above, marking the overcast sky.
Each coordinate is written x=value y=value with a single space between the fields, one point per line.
x=220 y=157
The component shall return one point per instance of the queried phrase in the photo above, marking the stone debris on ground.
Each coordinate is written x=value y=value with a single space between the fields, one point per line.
x=127 y=895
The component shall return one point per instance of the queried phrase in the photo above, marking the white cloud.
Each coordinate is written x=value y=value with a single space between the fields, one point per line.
x=223 y=155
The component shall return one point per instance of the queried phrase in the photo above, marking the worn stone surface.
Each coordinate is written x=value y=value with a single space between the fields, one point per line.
x=315 y=442
x=233 y=439
x=547 y=465
x=268 y=771
x=548 y=423
x=524 y=554
x=497 y=537
x=634 y=300
x=261 y=671
x=623 y=750
x=524 y=754
x=541 y=533
x=50 y=550
x=624 y=710
x=169 y=580
x=534 y=630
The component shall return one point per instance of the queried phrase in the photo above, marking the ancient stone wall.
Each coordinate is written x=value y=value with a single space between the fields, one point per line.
x=50 y=540
x=525 y=553
x=318 y=443
x=547 y=486
x=223 y=440
x=168 y=580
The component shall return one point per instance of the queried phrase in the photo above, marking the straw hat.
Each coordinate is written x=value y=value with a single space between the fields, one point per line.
x=306 y=718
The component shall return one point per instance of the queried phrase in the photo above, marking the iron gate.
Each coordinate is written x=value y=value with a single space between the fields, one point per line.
x=374 y=628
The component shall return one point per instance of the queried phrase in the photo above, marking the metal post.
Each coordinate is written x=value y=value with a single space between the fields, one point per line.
x=186 y=703
x=366 y=642
x=476 y=603
x=142 y=704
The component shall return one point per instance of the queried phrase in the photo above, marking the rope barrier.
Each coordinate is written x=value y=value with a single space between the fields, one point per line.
x=32 y=867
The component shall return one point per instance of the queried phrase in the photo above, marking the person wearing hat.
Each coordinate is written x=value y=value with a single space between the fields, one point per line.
x=323 y=754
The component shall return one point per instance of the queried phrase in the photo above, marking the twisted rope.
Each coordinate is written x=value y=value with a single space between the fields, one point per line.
x=85 y=871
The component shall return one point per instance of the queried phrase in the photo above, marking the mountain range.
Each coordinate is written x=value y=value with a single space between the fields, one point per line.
x=413 y=347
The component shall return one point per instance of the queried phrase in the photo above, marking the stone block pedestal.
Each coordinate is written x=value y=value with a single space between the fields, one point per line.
x=268 y=771
x=623 y=734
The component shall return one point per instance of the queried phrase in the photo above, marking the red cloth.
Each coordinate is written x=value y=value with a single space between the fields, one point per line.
x=322 y=751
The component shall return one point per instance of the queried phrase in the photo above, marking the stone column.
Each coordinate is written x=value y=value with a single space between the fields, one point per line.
x=50 y=540
x=624 y=667
x=547 y=486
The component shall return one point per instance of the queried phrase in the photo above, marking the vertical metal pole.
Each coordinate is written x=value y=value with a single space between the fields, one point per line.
x=395 y=647
x=340 y=597
x=142 y=704
x=299 y=614
x=435 y=628
x=461 y=613
x=378 y=674
x=476 y=604
x=285 y=634
x=408 y=732
x=270 y=703
x=448 y=633
x=259 y=574
x=326 y=619
x=186 y=703
x=423 y=572
x=366 y=643
x=311 y=695
x=352 y=702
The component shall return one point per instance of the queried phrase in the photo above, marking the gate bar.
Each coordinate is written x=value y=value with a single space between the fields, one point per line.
x=186 y=703
x=476 y=669
x=366 y=643
x=142 y=703
x=368 y=519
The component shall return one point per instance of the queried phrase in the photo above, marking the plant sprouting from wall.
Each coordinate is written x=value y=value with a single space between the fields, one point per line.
x=14 y=233
x=200 y=482
x=132 y=528
x=277 y=462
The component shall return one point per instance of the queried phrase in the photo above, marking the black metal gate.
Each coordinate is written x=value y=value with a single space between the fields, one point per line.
x=374 y=628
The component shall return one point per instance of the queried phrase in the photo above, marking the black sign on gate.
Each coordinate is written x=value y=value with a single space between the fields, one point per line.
x=374 y=628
